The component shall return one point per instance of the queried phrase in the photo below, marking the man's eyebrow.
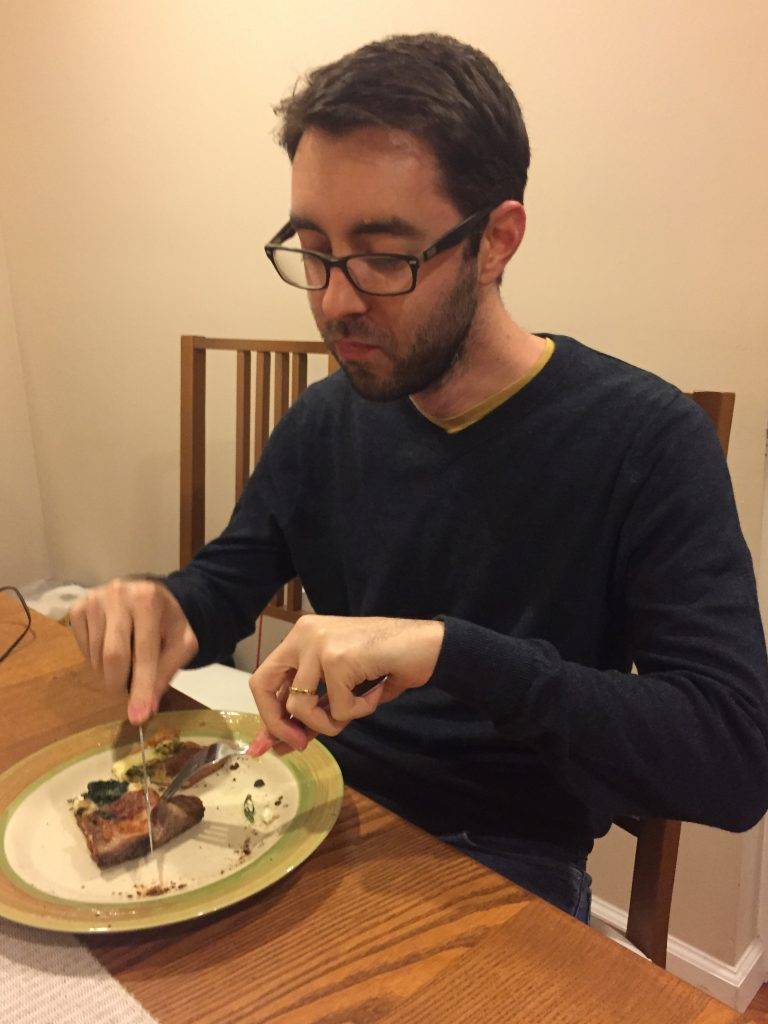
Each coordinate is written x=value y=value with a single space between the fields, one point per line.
x=396 y=226
x=299 y=223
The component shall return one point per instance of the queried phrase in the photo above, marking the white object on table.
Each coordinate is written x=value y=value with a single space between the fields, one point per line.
x=217 y=686
x=50 y=978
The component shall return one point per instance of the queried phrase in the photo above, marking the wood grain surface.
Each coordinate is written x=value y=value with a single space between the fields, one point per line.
x=382 y=925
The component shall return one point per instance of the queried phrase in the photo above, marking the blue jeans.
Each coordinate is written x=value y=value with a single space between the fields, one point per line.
x=541 y=868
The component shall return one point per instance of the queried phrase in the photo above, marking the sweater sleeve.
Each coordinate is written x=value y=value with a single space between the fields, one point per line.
x=686 y=737
x=223 y=590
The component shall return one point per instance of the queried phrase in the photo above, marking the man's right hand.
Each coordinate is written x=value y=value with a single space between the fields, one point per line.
x=134 y=629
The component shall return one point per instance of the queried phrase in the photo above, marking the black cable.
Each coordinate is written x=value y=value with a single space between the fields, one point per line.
x=26 y=629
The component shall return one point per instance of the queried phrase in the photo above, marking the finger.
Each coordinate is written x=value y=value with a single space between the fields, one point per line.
x=260 y=744
x=367 y=704
x=390 y=690
x=177 y=652
x=117 y=647
x=146 y=656
x=301 y=695
x=266 y=684
x=342 y=676
x=96 y=626
x=305 y=706
x=79 y=623
x=279 y=747
x=263 y=743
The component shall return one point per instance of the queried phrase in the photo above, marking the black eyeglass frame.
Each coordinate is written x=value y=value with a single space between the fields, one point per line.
x=447 y=241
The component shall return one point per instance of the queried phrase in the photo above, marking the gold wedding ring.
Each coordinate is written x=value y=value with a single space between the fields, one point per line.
x=298 y=689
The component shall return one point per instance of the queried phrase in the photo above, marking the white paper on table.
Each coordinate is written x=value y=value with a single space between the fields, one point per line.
x=217 y=686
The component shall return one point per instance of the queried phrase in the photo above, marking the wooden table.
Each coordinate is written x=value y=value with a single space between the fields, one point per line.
x=382 y=924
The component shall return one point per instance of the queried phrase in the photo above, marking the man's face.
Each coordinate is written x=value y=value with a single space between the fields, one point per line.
x=377 y=190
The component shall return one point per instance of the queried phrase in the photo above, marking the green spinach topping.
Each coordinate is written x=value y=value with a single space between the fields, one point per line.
x=105 y=792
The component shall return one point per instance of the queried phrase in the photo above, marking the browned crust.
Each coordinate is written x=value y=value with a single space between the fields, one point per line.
x=124 y=836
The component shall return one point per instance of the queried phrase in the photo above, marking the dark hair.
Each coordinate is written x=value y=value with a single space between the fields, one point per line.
x=447 y=93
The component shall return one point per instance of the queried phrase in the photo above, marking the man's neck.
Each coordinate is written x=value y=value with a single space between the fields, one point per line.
x=497 y=353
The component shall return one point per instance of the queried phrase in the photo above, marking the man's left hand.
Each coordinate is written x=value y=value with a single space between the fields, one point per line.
x=342 y=651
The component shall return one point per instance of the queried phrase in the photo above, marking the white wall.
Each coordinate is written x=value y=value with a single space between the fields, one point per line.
x=23 y=554
x=142 y=181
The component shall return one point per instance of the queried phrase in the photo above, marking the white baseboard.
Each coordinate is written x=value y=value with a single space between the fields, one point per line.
x=736 y=985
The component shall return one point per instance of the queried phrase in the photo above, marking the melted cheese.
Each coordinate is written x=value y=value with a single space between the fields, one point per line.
x=121 y=768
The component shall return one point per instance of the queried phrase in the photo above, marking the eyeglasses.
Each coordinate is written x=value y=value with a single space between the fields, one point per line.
x=380 y=273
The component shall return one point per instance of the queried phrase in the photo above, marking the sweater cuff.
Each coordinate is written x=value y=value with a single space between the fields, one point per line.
x=485 y=669
x=179 y=586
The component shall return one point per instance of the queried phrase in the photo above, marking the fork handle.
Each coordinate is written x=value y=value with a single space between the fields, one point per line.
x=359 y=691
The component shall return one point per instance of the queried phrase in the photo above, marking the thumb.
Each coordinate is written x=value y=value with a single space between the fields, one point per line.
x=389 y=691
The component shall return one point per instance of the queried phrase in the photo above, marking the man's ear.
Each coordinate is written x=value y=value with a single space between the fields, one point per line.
x=500 y=241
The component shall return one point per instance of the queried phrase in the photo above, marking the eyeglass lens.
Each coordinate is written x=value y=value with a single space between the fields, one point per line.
x=381 y=275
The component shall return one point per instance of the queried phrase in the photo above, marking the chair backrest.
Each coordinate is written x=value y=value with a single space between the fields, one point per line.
x=261 y=398
x=658 y=839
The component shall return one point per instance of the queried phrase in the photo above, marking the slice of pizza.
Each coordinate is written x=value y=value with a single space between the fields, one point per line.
x=113 y=819
x=166 y=754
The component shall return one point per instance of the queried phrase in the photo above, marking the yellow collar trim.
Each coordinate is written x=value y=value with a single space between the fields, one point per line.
x=453 y=424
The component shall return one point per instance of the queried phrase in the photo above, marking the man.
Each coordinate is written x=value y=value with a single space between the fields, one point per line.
x=498 y=523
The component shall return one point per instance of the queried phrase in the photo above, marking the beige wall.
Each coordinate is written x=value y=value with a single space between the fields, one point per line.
x=23 y=554
x=142 y=181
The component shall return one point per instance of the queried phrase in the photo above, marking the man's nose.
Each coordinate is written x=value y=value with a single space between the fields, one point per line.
x=341 y=298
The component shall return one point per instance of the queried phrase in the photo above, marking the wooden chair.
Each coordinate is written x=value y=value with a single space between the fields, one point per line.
x=280 y=377
x=658 y=838
x=261 y=399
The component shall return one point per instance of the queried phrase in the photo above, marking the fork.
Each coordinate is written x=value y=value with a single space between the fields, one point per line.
x=324 y=703
x=221 y=751
x=211 y=754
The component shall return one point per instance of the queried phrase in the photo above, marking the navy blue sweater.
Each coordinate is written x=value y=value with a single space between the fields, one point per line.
x=585 y=525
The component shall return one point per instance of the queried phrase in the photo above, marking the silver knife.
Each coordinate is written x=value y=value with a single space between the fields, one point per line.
x=147 y=804
x=146 y=790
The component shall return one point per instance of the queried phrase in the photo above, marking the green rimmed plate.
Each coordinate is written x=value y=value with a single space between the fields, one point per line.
x=47 y=877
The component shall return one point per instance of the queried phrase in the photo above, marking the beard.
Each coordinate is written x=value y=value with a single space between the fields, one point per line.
x=437 y=346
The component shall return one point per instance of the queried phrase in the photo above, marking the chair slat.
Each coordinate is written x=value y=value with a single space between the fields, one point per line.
x=280 y=397
x=293 y=597
x=261 y=404
x=243 y=422
x=298 y=375
x=192 y=479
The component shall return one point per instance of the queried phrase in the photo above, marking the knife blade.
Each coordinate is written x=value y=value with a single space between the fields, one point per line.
x=146 y=790
x=145 y=776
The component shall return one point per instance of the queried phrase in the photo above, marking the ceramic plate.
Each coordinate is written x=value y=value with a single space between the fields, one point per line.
x=47 y=877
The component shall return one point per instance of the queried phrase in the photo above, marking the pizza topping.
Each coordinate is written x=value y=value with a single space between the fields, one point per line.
x=105 y=791
x=158 y=748
x=248 y=808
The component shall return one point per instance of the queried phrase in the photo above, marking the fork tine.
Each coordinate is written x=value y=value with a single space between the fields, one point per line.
x=208 y=755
